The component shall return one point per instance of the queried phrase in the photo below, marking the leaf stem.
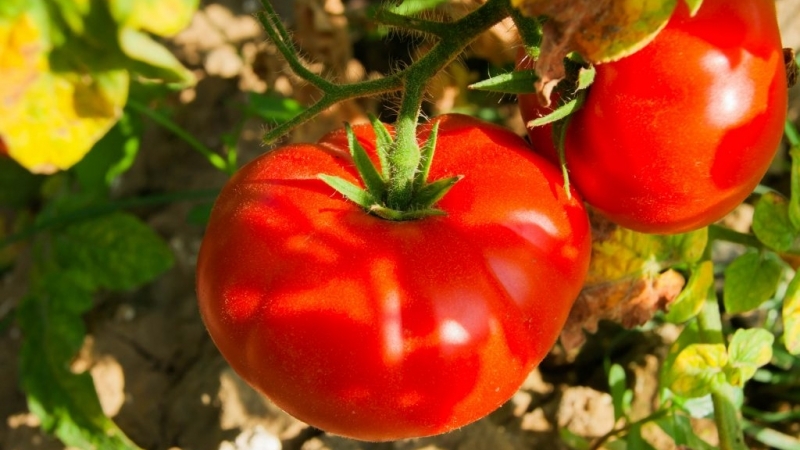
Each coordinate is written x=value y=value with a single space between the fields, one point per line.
x=729 y=426
x=792 y=135
x=404 y=156
x=215 y=159
x=721 y=233
x=393 y=19
x=726 y=416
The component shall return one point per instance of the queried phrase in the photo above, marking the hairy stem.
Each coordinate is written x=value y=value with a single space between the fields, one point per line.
x=404 y=157
x=726 y=416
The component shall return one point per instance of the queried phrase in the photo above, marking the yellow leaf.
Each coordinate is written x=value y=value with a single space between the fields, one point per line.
x=50 y=120
x=161 y=17
x=791 y=316
x=629 y=277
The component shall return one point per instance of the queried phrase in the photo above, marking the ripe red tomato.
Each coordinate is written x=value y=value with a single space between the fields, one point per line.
x=675 y=136
x=383 y=330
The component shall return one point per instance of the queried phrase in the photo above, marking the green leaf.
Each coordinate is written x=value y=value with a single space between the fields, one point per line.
x=691 y=299
x=118 y=251
x=271 y=107
x=373 y=180
x=617 y=387
x=53 y=330
x=636 y=441
x=772 y=224
x=771 y=438
x=694 y=6
x=698 y=370
x=383 y=144
x=433 y=192
x=517 y=82
x=161 y=17
x=152 y=60
x=111 y=156
x=794 y=203
x=13 y=8
x=697 y=407
x=349 y=190
x=573 y=440
x=691 y=246
x=791 y=316
x=18 y=187
x=427 y=152
x=413 y=7
x=679 y=428
x=586 y=77
x=748 y=350
x=750 y=280
x=559 y=113
x=200 y=214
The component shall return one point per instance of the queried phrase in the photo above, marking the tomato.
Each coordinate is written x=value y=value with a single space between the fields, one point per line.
x=382 y=330
x=675 y=136
x=542 y=135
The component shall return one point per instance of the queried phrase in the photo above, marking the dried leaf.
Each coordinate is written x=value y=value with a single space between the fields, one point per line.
x=629 y=278
x=600 y=30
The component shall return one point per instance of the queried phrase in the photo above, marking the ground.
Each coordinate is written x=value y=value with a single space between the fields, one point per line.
x=158 y=374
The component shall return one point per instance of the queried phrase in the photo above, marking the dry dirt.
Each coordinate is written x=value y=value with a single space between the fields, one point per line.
x=157 y=373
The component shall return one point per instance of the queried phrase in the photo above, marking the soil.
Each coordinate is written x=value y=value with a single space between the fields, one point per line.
x=157 y=373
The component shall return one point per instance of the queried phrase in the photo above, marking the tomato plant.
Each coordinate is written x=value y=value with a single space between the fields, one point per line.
x=379 y=329
x=676 y=135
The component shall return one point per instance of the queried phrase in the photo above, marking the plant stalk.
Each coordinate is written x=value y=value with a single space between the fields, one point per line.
x=404 y=157
x=729 y=428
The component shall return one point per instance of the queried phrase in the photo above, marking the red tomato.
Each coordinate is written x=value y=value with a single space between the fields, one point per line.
x=381 y=330
x=542 y=135
x=675 y=136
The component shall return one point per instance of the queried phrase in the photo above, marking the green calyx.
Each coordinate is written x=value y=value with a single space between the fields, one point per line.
x=374 y=197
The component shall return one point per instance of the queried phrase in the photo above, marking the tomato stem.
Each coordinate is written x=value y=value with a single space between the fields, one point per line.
x=726 y=416
x=404 y=157
x=454 y=36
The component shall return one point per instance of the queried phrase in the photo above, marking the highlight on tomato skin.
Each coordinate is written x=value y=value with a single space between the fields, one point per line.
x=674 y=137
x=381 y=330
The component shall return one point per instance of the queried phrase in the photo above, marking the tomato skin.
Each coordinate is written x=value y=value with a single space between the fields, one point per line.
x=675 y=136
x=542 y=135
x=381 y=330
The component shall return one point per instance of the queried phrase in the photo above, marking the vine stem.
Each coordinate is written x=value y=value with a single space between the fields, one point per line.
x=721 y=233
x=404 y=155
x=726 y=416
